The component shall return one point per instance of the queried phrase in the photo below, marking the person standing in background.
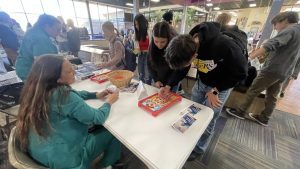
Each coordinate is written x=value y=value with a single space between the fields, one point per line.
x=116 y=48
x=8 y=38
x=282 y=57
x=38 y=40
x=62 y=37
x=73 y=38
x=141 y=35
x=168 y=17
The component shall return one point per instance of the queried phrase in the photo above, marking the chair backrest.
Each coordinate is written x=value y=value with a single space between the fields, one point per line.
x=17 y=158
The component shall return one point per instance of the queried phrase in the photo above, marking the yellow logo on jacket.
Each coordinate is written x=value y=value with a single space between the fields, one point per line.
x=204 y=65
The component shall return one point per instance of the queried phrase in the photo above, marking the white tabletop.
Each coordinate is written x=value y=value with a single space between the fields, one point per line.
x=150 y=138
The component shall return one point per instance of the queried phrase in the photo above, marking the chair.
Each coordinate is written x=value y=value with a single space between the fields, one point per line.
x=17 y=158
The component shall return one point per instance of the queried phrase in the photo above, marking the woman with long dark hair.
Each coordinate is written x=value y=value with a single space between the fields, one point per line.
x=54 y=119
x=164 y=77
x=141 y=36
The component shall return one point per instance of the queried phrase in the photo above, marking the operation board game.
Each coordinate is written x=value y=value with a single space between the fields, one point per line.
x=156 y=104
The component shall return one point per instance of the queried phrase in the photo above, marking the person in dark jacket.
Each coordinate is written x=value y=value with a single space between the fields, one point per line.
x=220 y=66
x=73 y=36
x=164 y=77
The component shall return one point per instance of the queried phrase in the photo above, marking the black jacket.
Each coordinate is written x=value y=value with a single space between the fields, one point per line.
x=161 y=71
x=73 y=36
x=220 y=61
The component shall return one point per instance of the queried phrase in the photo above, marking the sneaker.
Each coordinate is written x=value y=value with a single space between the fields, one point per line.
x=193 y=156
x=235 y=113
x=119 y=165
x=258 y=120
x=180 y=92
x=281 y=95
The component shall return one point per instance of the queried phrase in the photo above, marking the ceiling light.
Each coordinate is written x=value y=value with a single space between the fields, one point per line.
x=252 y=5
x=298 y=2
x=209 y=4
x=216 y=8
x=129 y=4
x=155 y=0
x=208 y=0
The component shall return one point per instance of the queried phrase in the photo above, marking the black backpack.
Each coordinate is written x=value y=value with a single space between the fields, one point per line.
x=129 y=61
x=238 y=36
x=10 y=94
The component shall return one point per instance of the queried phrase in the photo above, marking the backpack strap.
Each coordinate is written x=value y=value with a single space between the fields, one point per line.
x=123 y=58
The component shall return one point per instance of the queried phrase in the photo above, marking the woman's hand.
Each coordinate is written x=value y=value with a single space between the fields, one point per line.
x=164 y=92
x=158 y=84
x=103 y=94
x=101 y=65
x=112 y=98
x=213 y=100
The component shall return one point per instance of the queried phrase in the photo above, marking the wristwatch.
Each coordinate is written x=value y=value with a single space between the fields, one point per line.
x=215 y=92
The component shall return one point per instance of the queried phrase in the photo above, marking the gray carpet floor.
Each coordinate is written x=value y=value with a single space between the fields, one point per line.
x=237 y=144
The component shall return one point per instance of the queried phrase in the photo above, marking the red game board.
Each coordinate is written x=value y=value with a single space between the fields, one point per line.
x=155 y=104
x=100 y=78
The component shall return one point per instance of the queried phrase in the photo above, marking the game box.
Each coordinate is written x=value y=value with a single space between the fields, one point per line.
x=100 y=78
x=155 y=104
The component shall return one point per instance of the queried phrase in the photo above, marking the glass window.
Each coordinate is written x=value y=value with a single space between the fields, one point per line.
x=81 y=9
x=97 y=29
x=120 y=13
x=21 y=19
x=95 y=17
x=67 y=10
x=103 y=13
x=33 y=6
x=32 y=18
x=94 y=11
x=84 y=23
x=51 y=7
x=82 y=15
x=111 y=13
x=11 y=6
x=120 y=19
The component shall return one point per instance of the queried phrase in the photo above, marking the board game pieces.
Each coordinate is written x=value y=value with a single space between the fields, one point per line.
x=156 y=104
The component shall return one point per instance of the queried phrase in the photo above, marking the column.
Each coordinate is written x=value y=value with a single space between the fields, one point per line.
x=183 y=21
x=268 y=28
x=136 y=7
x=90 y=18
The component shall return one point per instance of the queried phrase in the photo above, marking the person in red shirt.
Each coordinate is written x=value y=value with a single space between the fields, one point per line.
x=141 y=35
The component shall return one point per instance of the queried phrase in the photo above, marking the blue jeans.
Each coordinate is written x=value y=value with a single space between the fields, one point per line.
x=144 y=74
x=198 y=95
